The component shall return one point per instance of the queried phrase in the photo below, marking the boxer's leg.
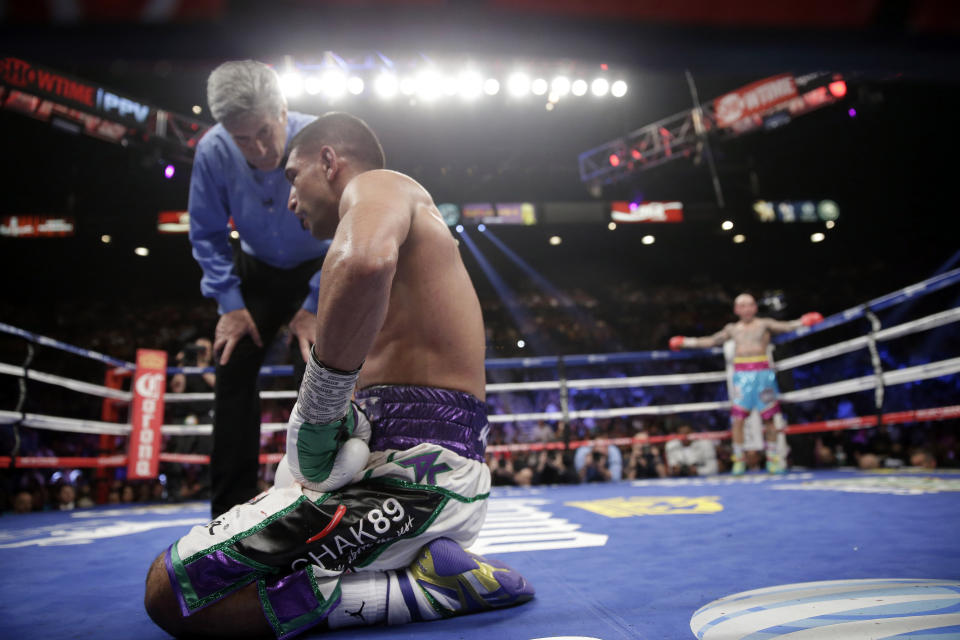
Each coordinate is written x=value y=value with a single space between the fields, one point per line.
x=236 y=616
x=737 y=418
x=768 y=392
x=775 y=463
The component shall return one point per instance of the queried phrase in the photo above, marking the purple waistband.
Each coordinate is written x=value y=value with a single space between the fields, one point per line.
x=405 y=416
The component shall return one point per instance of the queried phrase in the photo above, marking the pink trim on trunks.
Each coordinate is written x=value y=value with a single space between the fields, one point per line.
x=751 y=366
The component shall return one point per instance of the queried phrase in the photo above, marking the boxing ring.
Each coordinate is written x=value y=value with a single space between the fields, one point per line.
x=814 y=553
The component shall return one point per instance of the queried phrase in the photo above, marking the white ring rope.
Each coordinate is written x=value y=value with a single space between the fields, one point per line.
x=60 y=381
x=914 y=326
x=844 y=387
x=922 y=324
x=865 y=383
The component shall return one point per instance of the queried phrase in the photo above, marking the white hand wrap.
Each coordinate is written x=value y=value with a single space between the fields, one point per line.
x=327 y=435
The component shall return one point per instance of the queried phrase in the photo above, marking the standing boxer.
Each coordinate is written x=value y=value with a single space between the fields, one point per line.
x=754 y=382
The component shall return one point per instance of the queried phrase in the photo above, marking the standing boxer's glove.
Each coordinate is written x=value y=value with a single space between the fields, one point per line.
x=812 y=318
x=677 y=342
x=327 y=434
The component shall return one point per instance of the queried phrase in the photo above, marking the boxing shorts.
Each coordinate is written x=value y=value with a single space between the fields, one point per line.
x=425 y=479
x=754 y=388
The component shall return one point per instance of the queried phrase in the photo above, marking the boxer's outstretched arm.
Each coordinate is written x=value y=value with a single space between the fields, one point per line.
x=376 y=212
x=782 y=326
x=709 y=341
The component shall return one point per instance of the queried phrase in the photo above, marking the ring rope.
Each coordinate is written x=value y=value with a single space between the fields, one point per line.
x=864 y=383
x=920 y=288
x=856 y=422
x=914 y=326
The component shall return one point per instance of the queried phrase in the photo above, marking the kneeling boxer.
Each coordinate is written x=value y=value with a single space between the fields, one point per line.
x=381 y=489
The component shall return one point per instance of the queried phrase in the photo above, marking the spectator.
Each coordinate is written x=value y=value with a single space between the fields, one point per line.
x=644 y=460
x=22 y=502
x=554 y=467
x=691 y=457
x=543 y=432
x=66 y=498
x=600 y=463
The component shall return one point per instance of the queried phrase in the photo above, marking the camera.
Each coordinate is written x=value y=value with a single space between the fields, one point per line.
x=191 y=355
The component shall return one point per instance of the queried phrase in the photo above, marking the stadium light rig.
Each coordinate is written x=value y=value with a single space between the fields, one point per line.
x=421 y=79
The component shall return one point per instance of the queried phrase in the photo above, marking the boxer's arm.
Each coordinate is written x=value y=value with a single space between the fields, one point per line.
x=375 y=217
x=782 y=326
x=708 y=341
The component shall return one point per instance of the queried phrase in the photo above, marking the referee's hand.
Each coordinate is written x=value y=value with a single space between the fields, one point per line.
x=231 y=327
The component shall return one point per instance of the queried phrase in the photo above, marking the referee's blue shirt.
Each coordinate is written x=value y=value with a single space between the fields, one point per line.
x=223 y=186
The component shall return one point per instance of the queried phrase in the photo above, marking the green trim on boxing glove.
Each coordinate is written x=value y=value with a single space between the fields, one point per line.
x=318 y=444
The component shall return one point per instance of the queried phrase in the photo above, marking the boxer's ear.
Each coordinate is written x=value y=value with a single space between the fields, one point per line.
x=329 y=161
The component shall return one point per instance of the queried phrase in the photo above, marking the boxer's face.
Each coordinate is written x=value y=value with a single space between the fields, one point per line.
x=745 y=307
x=260 y=137
x=312 y=197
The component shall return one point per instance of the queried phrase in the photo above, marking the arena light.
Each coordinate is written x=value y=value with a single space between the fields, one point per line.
x=197 y=109
x=838 y=88
x=481 y=227
x=831 y=224
x=579 y=87
x=614 y=160
x=355 y=85
x=429 y=85
x=739 y=238
x=459 y=228
x=539 y=87
x=618 y=89
x=518 y=84
x=408 y=86
x=142 y=251
x=291 y=83
x=470 y=85
x=852 y=112
x=312 y=85
x=648 y=240
x=726 y=225
x=560 y=86
x=491 y=86
x=334 y=83
x=612 y=226
x=235 y=234
x=169 y=171
x=451 y=86
x=521 y=344
x=106 y=239
x=555 y=240
x=817 y=237
x=386 y=85
x=600 y=87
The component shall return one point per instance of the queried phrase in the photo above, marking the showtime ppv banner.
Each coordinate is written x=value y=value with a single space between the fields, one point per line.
x=754 y=99
x=149 y=384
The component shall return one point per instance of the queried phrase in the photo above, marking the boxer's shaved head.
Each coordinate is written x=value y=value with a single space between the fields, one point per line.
x=347 y=135
x=745 y=306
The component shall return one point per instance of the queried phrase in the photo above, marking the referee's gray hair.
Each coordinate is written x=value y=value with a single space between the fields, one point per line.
x=244 y=86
